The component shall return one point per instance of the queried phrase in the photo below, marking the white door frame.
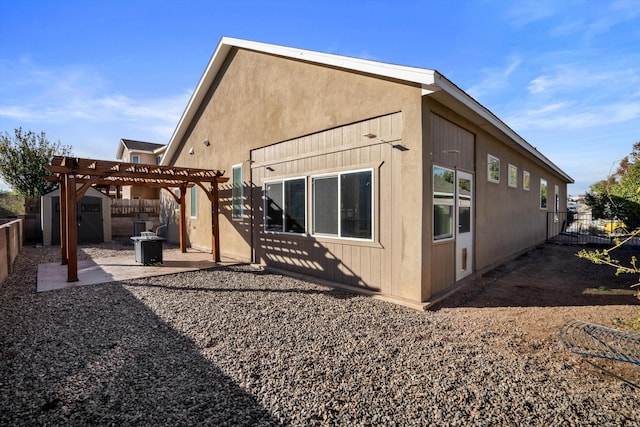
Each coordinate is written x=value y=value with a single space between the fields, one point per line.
x=464 y=215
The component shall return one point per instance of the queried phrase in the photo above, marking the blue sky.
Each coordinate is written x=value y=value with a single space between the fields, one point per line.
x=564 y=74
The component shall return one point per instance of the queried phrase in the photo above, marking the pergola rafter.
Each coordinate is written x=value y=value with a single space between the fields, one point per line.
x=70 y=172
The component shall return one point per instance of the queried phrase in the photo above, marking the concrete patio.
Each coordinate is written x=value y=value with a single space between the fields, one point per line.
x=53 y=276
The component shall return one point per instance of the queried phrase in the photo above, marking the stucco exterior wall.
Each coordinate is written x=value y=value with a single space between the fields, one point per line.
x=259 y=100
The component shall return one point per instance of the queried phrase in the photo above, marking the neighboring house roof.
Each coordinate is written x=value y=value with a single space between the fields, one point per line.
x=139 y=146
x=432 y=83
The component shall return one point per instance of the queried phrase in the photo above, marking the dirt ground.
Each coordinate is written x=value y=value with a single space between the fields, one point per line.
x=544 y=288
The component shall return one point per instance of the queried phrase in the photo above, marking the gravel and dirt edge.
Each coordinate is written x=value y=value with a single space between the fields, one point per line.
x=235 y=346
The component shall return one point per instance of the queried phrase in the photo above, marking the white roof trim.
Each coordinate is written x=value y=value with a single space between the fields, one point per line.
x=430 y=80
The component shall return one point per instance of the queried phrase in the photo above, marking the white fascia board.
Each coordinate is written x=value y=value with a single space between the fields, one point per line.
x=493 y=120
x=412 y=74
x=120 y=151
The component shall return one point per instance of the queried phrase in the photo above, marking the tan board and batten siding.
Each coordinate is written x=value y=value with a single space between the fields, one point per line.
x=281 y=116
x=363 y=264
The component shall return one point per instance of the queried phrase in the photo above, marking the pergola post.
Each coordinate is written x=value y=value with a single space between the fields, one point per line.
x=72 y=228
x=183 y=221
x=62 y=202
x=215 y=224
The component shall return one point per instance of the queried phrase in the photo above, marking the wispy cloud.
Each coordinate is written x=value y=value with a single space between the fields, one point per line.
x=567 y=77
x=495 y=78
x=62 y=95
x=570 y=115
x=523 y=13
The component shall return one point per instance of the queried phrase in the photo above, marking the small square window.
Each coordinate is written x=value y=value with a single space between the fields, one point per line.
x=526 y=180
x=513 y=176
x=493 y=169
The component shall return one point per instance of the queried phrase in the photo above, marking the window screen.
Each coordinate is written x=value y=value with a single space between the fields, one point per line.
x=443 y=201
x=343 y=205
x=285 y=206
x=325 y=205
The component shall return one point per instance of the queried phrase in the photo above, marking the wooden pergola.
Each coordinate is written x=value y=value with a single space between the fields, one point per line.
x=76 y=175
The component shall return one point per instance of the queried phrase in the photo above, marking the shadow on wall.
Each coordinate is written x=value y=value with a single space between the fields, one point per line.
x=292 y=252
x=302 y=253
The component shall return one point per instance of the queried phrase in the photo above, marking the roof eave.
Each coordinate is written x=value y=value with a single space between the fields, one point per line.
x=444 y=84
x=430 y=80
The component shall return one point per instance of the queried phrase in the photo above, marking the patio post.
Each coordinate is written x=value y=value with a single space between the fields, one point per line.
x=215 y=223
x=183 y=221
x=62 y=203
x=72 y=228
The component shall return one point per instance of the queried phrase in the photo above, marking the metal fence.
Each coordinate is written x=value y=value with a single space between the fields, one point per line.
x=581 y=229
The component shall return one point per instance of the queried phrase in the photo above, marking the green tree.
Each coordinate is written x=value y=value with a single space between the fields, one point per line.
x=22 y=160
x=619 y=195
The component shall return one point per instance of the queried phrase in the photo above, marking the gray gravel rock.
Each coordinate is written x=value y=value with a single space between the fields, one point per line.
x=237 y=346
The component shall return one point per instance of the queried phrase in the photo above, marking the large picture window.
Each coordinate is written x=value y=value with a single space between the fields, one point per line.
x=343 y=205
x=236 y=192
x=443 y=203
x=285 y=206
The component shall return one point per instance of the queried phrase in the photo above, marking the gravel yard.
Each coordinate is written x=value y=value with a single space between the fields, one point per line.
x=236 y=346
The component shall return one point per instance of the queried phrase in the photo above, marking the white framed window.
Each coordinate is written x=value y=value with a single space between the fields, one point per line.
x=443 y=203
x=513 y=176
x=543 y=193
x=135 y=159
x=526 y=180
x=493 y=169
x=342 y=205
x=285 y=206
x=194 y=201
x=236 y=192
x=158 y=160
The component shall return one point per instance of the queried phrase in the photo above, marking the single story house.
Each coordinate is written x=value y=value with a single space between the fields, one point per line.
x=383 y=178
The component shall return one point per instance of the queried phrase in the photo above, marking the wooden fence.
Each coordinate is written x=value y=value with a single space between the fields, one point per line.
x=135 y=206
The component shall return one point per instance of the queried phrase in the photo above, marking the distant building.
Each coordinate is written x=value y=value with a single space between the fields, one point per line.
x=150 y=153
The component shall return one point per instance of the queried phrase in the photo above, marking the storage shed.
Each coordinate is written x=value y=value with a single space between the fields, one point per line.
x=94 y=218
x=383 y=178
